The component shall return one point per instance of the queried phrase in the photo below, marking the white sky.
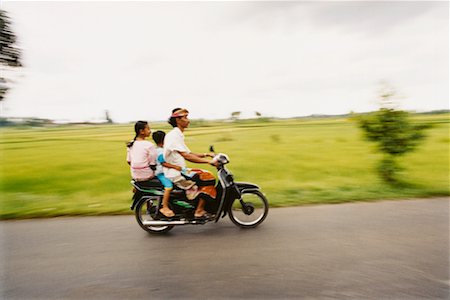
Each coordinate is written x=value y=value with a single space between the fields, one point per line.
x=139 y=60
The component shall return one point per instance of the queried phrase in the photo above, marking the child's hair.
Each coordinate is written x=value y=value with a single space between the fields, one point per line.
x=140 y=125
x=158 y=137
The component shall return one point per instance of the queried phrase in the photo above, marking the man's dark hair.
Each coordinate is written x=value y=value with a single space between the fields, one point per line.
x=158 y=136
x=172 y=120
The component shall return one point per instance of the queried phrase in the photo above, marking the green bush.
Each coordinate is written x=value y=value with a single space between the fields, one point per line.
x=394 y=135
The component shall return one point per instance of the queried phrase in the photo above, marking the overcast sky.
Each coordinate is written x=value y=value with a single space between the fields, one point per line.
x=141 y=59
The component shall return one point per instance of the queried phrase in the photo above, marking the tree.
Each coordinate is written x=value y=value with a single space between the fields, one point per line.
x=235 y=115
x=10 y=55
x=108 y=117
x=393 y=133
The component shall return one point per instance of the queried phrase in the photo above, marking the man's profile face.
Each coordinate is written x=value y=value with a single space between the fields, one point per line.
x=183 y=121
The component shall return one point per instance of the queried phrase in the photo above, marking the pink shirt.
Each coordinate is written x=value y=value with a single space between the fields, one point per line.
x=140 y=156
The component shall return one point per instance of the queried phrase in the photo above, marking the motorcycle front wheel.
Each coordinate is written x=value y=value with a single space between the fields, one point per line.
x=146 y=211
x=250 y=210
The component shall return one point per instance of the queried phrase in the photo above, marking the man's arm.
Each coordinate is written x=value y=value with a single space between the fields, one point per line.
x=196 y=158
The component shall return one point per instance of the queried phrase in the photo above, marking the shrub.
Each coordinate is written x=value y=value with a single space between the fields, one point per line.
x=394 y=135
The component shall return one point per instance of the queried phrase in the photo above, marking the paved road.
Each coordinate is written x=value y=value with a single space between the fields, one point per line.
x=389 y=249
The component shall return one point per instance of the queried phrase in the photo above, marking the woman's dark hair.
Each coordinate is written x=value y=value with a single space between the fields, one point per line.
x=172 y=120
x=158 y=136
x=140 y=125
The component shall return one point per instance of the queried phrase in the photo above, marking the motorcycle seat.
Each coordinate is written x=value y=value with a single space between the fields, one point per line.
x=154 y=183
x=149 y=184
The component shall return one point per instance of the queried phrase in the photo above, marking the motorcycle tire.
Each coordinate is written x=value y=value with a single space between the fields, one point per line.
x=147 y=212
x=254 y=211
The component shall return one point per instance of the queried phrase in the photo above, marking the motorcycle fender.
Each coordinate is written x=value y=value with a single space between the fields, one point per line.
x=136 y=198
x=235 y=193
x=242 y=186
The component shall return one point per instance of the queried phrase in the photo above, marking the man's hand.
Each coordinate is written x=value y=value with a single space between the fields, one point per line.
x=214 y=163
x=209 y=154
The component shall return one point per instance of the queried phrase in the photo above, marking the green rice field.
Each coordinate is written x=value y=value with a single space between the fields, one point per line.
x=81 y=170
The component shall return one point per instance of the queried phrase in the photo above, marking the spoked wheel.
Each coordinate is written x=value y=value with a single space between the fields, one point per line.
x=251 y=211
x=146 y=211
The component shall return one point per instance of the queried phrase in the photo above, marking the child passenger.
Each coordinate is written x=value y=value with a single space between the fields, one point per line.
x=158 y=137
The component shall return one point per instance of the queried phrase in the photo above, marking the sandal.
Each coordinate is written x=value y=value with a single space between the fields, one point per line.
x=204 y=215
x=168 y=214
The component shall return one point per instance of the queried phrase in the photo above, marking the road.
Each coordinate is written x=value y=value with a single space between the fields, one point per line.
x=381 y=250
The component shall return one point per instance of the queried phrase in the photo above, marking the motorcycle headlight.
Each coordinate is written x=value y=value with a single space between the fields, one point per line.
x=221 y=158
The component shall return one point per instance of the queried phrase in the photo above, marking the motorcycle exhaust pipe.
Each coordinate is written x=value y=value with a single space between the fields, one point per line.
x=164 y=223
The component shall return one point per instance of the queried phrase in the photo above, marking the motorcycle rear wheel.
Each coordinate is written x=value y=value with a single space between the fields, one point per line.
x=146 y=211
x=254 y=211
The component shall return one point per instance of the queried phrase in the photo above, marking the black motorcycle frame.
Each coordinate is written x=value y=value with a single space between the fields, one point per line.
x=227 y=191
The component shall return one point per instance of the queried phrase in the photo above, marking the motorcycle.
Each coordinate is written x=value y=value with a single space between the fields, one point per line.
x=243 y=202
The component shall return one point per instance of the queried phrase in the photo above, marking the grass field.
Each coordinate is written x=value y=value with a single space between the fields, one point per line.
x=81 y=170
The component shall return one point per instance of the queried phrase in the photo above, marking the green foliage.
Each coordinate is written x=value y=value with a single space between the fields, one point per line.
x=81 y=170
x=10 y=55
x=388 y=168
x=394 y=135
x=392 y=131
x=235 y=115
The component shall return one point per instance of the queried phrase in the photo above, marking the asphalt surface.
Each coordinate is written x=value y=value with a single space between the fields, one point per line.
x=382 y=250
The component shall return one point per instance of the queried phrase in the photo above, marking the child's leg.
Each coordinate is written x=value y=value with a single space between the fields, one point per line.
x=166 y=197
x=165 y=210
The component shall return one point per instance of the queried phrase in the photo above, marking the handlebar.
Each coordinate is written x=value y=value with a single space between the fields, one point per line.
x=221 y=158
